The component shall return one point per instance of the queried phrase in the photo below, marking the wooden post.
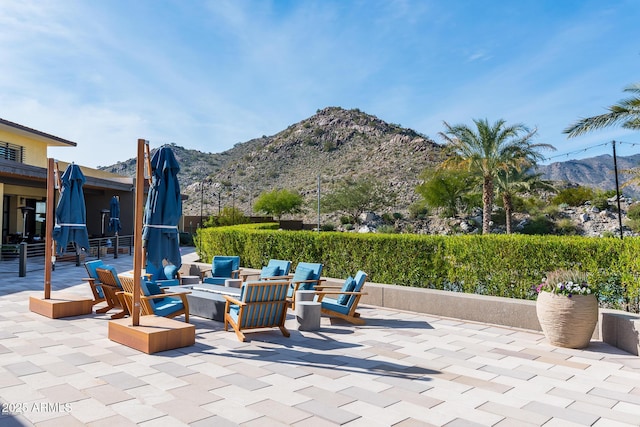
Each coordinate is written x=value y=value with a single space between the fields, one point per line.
x=51 y=218
x=137 y=231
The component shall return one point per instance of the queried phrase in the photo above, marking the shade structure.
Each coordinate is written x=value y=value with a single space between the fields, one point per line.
x=163 y=210
x=71 y=214
x=114 y=215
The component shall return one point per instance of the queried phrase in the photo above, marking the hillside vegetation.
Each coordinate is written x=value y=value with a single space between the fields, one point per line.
x=337 y=144
x=334 y=144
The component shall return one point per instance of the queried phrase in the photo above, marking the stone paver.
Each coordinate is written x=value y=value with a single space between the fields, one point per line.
x=401 y=369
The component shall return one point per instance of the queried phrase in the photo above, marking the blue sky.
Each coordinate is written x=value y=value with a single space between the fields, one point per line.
x=209 y=74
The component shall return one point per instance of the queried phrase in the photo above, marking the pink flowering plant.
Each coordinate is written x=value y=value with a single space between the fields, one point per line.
x=566 y=282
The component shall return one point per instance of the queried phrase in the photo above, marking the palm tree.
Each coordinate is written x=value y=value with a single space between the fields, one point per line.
x=510 y=182
x=626 y=112
x=489 y=150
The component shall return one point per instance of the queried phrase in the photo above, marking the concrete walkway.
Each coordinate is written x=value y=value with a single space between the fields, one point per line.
x=399 y=369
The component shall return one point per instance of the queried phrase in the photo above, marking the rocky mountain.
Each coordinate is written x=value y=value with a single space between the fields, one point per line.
x=334 y=144
x=595 y=172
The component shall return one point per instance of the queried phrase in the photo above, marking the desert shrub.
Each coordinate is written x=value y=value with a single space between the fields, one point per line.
x=540 y=224
x=345 y=220
x=386 y=229
x=634 y=211
x=418 y=210
x=397 y=215
x=551 y=211
x=574 y=196
x=387 y=218
x=601 y=200
x=566 y=227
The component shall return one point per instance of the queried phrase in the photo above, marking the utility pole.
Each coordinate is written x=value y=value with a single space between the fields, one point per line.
x=318 y=203
x=615 y=170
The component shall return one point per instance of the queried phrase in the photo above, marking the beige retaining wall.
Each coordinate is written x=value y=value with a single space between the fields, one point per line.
x=617 y=328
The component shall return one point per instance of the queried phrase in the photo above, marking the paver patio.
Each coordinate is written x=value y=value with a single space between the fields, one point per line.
x=401 y=368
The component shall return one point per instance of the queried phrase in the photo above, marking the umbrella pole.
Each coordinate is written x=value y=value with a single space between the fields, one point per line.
x=48 y=245
x=137 y=234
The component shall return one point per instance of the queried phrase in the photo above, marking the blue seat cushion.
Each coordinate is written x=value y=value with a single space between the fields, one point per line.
x=331 y=304
x=270 y=272
x=349 y=286
x=168 y=306
x=222 y=268
x=214 y=280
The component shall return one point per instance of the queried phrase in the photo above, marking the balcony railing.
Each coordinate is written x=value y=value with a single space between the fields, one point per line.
x=23 y=257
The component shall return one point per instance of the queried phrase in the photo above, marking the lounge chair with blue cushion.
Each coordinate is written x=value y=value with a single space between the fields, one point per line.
x=276 y=269
x=343 y=302
x=154 y=300
x=94 y=283
x=305 y=278
x=112 y=287
x=262 y=304
x=222 y=268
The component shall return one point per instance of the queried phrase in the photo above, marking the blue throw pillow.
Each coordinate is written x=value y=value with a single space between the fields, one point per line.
x=222 y=268
x=170 y=271
x=349 y=286
x=152 y=289
x=301 y=275
x=270 y=272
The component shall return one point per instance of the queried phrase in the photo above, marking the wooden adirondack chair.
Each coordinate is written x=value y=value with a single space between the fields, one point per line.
x=343 y=302
x=306 y=277
x=153 y=299
x=261 y=305
x=111 y=287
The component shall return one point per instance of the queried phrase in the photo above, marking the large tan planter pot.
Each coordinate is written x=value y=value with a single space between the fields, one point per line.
x=567 y=322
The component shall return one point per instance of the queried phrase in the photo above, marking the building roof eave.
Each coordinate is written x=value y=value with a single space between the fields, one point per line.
x=50 y=140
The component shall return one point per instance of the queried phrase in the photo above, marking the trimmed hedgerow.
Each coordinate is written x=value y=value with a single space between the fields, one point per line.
x=498 y=265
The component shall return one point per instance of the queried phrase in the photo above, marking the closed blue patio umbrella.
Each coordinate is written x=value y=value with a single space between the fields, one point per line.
x=163 y=210
x=71 y=214
x=114 y=215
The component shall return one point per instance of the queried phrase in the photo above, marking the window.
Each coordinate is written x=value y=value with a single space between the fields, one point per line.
x=11 y=152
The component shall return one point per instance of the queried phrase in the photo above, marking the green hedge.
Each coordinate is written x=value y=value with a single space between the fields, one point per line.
x=498 y=265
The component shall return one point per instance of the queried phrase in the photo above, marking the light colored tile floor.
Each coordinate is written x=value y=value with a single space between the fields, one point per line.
x=401 y=368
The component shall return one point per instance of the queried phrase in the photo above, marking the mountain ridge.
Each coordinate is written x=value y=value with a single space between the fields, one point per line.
x=337 y=144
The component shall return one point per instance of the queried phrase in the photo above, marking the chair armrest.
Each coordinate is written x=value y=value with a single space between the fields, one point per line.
x=233 y=300
x=170 y=294
x=235 y=274
x=287 y=277
x=204 y=271
x=329 y=287
x=307 y=281
x=244 y=276
x=339 y=293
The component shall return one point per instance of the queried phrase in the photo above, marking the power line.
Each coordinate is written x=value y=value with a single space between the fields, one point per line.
x=583 y=150
x=577 y=151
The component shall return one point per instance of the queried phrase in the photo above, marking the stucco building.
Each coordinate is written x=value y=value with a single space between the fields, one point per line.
x=23 y=176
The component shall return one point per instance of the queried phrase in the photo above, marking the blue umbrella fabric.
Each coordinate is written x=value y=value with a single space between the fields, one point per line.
x=114 y=215
x=71 y=213
x=163 y=210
